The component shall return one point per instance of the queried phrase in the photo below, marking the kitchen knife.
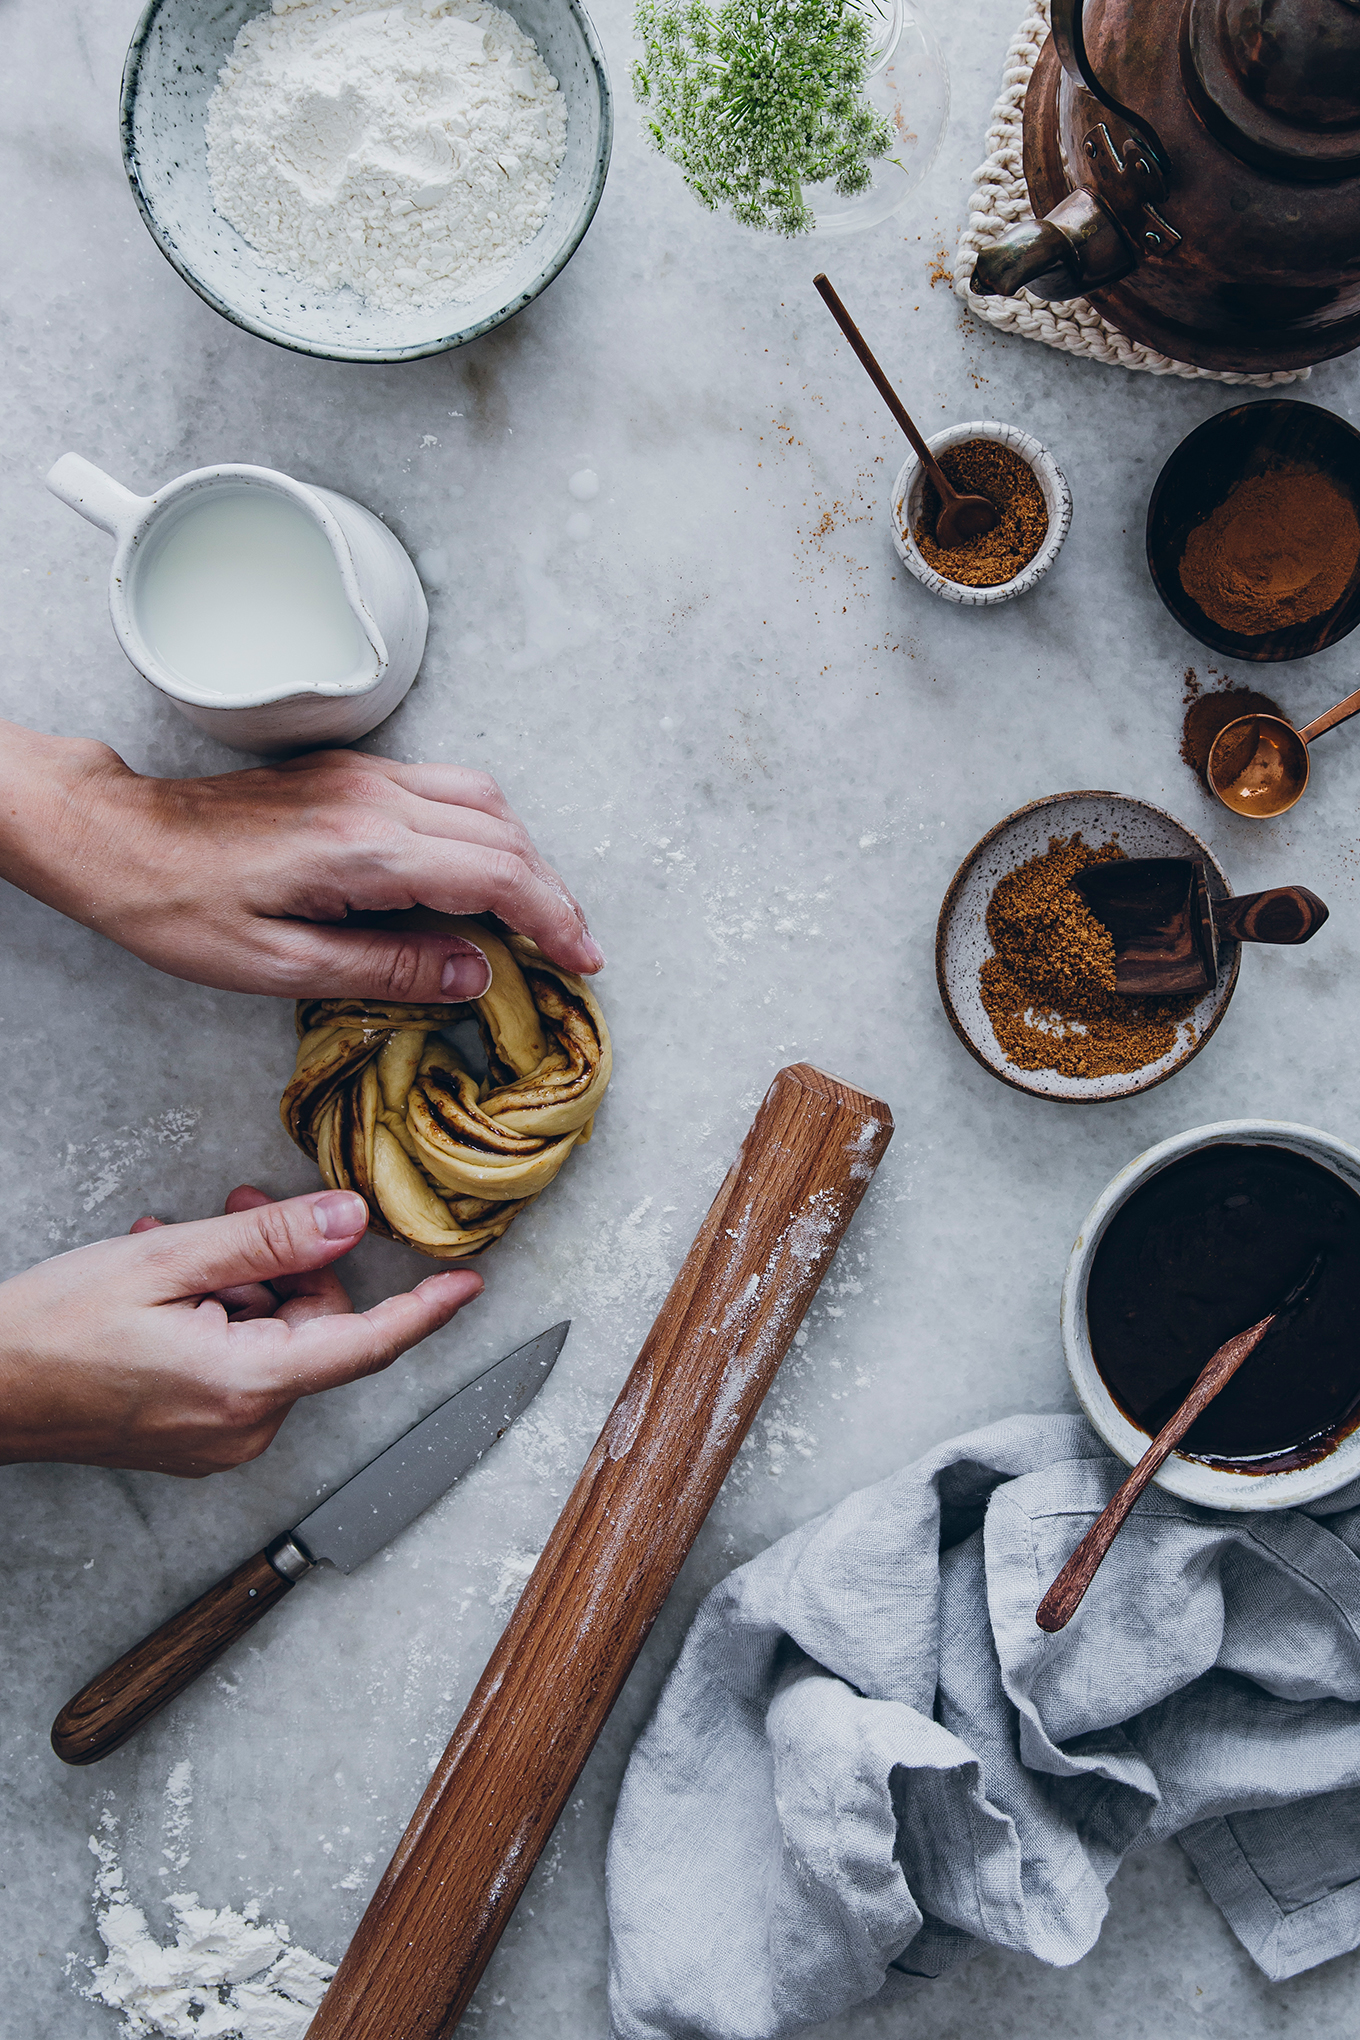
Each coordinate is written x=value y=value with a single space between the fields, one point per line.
x=348 y=1527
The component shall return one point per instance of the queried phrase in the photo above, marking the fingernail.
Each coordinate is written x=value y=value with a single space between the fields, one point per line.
x=593 y=950
x=466 y=974
x=339 y=1214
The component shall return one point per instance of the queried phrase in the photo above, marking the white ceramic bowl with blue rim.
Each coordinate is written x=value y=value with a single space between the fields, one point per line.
x=176 y=52
x=1191 y=1479
x=909 y=491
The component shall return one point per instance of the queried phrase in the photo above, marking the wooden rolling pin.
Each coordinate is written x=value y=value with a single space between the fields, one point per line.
x=605 y=1572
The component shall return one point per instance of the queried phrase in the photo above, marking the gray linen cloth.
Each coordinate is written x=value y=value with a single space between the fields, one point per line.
x=869 y=1759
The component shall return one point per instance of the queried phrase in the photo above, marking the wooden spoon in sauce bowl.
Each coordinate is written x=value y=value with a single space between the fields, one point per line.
x=961 y=517
x=1065 y=1595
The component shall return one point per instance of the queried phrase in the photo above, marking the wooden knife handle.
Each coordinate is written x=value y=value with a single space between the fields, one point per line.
x=105 y=1713
x=608 y=1566
x=1284 y=913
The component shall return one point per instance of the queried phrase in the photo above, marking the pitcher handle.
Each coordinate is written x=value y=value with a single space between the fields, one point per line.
x=96 y=495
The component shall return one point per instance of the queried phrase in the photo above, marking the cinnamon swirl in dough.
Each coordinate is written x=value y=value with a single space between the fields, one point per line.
x=389 y=1108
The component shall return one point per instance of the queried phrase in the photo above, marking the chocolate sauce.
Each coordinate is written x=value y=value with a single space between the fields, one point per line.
x=1209 y=1245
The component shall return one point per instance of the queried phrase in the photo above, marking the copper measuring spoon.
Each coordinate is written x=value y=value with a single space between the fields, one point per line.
x=1258 y=764
x=1068 y=1590
x=961 y=517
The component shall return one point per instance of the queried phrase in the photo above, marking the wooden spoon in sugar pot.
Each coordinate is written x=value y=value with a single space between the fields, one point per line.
x=961 y=517
x=1067 y=1592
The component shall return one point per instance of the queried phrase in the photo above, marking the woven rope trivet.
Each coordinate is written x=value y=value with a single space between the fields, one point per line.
x=1001 y=200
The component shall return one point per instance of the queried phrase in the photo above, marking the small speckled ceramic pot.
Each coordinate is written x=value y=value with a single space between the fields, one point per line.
x=1213 y=1487
x=909 y=488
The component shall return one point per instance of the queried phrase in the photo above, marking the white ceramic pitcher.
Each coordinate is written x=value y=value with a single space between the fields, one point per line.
x=379 y=581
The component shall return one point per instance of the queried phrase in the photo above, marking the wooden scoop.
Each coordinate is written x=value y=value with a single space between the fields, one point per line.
x=1067 y=1592
x=607 y=1568
x=961 y=517
x=1166 y=929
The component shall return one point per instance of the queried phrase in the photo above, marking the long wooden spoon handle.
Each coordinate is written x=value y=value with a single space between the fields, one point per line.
x=1343 y=712
x=885 y=389
x=608 y=1566
x=105 y=1713
x=1065 y=1595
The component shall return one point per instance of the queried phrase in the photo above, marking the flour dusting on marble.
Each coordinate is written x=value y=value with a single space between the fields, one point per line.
x=226 y=1975
x=627 y=1270
x=512 y=1579
x=179 y=1800
x=116 y=1155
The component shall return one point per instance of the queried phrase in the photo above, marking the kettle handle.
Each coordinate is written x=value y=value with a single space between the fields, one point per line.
x=1069 y=39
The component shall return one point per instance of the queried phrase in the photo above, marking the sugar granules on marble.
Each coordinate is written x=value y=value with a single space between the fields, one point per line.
x=407 y=150
x=226 y=1976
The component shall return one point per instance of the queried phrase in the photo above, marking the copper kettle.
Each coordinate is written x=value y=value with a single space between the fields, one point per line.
x=1194 y=169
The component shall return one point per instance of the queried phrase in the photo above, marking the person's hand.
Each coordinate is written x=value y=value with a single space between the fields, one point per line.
x=238 y=881
x=182 y=1349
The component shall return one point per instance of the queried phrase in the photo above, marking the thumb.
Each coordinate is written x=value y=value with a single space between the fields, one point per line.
x=254 y=1246
x=412 y=967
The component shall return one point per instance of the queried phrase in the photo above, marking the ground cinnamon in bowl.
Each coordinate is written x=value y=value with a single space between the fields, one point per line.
x=984 y=467
x=1281 y=549
x=1048 y=990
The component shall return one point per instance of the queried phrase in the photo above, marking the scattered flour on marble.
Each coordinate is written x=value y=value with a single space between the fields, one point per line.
x=515 y=1568
x=179 y=1800
x=226 y=1975
x=116 y=1155
x=405 y=148
x=626 y=1270
x=785 y=1440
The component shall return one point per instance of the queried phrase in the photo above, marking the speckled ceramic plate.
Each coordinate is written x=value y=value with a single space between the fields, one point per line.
x=171 y=72
x=961 y=942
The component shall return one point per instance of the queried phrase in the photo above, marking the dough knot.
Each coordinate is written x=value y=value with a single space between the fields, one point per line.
x=389 y=1107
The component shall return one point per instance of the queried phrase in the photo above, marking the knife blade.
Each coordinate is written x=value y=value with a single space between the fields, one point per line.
x=359 y=1518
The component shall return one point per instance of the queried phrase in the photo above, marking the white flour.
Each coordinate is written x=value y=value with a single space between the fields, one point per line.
x=224 y=1977
x=407 y=150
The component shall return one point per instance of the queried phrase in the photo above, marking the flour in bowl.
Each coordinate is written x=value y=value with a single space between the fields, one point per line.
x=407 y=150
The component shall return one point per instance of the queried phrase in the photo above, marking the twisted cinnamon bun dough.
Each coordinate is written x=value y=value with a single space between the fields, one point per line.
x=388 y=1107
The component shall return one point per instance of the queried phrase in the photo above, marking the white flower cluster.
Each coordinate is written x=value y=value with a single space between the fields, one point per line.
x=759 y=98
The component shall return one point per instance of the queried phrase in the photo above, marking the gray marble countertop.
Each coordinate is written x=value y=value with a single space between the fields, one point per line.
x=758 y=752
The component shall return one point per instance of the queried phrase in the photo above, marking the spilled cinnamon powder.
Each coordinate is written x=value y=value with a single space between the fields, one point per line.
x=1207 y=714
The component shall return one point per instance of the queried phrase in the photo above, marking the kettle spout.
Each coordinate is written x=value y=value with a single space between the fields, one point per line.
x=1078 y=247
x=1033 y=256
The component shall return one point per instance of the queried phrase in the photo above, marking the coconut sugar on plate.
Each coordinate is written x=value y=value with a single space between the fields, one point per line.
x=1049 y=986
x=1025 y=972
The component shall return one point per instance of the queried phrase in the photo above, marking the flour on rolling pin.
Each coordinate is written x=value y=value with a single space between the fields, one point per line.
x=730 y=1315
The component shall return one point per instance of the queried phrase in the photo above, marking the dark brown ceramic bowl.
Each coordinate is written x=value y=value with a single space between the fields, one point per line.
x=1197 y=478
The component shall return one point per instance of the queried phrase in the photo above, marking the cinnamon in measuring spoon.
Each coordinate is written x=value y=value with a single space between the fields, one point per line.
x=1207 y=714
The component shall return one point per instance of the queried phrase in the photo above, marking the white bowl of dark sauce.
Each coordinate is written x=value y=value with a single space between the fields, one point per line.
x=1195 y=1240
